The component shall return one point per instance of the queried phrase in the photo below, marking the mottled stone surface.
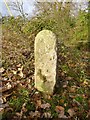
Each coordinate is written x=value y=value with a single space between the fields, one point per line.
x=45 y=61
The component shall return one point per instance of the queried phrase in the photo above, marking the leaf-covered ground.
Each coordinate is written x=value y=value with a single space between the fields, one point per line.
x=20 y=100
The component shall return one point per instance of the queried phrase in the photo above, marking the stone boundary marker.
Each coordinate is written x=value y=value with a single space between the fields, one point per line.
x=45 y=61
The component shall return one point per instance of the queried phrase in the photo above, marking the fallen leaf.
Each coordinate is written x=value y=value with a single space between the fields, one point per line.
x=69 y=78
x=1 y=111
x=47 y=115
x=71 y=112
x=20 y=72
x=34 y=114
x=18 y=65
x=1 y=100
x=62 y=116
x=8 y=109
x=85 y=82
x=23 y=108
x=62 y=101
x=44 y=106
x=39 y=103
x=72 y=89
x=65 y=104
x=4 y=100
x=59 y=109
x=20 y=69
x=5 y=79
x=65 y=84
x=2 y=70
x=88 y=114
x=19 y=114
x=14 y=72
x=8 y=85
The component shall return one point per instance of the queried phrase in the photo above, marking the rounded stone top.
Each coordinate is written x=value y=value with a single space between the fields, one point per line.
x=45 y=38
x=45 y=34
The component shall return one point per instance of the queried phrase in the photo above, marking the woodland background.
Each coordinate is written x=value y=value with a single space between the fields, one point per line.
x=20 y=100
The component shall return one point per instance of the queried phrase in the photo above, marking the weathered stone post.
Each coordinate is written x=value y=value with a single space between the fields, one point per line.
x=45 y=61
